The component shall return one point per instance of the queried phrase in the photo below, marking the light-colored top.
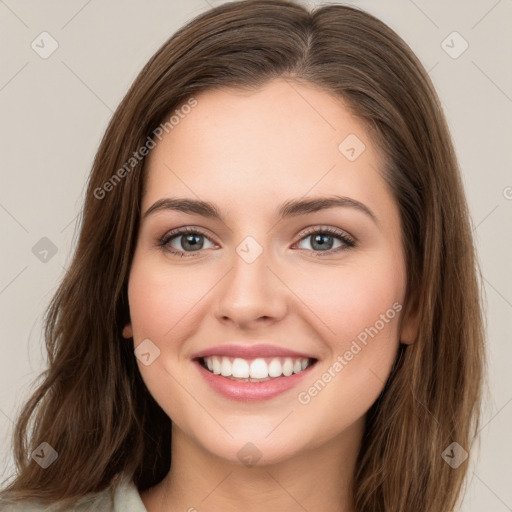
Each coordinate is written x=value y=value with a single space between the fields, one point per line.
x=126 y=499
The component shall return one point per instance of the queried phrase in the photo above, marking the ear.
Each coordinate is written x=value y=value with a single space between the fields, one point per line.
x=128 y=331
x=410 y=324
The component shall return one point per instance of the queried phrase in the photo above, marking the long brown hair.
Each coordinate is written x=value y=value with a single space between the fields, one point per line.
x=92 y=405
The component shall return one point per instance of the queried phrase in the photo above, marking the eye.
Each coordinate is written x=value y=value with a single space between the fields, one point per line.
x=183 y=241
x=323 y=241
x=189 y=242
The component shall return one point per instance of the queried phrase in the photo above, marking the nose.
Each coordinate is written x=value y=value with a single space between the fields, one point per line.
x=251 y=295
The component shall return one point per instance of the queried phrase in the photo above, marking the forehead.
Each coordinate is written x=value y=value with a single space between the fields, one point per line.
x=283 y=139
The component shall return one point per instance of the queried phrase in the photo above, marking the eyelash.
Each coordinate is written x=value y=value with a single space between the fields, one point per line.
x=347 y=240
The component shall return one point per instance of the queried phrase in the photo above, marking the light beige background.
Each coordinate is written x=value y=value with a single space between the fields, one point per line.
x=54 y=112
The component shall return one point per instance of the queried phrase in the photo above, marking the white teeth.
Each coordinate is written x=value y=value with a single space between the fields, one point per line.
x=215 y=364
x=225 y=367
x=275 y=368
x=240 y=368
x=259 y=368
x=288 y=367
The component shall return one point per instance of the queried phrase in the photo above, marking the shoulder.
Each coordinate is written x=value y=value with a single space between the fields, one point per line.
x=124 y=498
x=99 y=501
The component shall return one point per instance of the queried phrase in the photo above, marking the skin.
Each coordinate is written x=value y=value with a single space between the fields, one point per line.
x=248 y=152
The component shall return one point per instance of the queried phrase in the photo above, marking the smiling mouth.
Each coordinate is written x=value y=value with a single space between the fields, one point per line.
x=260 y=369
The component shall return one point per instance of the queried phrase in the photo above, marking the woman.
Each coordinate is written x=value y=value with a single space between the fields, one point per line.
x=273 y=302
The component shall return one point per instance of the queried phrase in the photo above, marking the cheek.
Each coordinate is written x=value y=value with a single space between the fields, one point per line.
x=161 y=302
x=161 y=297
x=360 y=310
x=351 y=297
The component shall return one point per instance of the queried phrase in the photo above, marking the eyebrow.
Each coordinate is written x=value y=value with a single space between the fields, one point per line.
x=291 y=208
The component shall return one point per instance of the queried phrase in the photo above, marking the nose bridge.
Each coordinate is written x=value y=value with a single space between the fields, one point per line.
x=251 y=291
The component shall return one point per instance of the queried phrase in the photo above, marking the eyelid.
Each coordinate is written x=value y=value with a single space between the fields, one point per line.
x=328 y=229
x=173 y=233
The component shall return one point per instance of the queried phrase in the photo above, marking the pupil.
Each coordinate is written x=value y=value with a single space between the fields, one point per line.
x=320 y=241
x=194 y=245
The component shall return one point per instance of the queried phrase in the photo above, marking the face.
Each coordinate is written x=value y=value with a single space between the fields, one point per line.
x=267 y=285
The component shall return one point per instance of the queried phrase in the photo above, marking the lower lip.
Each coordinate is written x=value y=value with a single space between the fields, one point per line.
x=251 y=391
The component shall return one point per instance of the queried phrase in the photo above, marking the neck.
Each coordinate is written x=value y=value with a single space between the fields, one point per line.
x=317 y=479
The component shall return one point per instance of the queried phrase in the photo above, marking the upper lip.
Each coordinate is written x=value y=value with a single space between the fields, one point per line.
x=250 y=352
